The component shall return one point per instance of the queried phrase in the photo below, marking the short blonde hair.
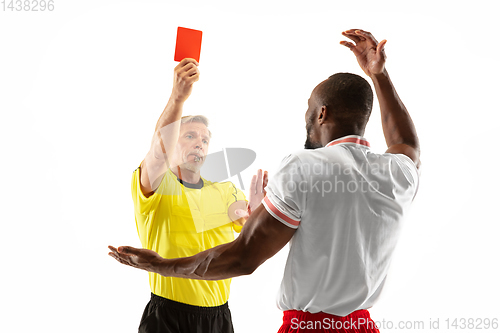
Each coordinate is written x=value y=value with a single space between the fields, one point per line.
x=198 y=119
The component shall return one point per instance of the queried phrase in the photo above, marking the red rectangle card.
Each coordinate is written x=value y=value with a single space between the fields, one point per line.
x=188 y=44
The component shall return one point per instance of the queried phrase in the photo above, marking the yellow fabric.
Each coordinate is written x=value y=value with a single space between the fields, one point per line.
x=176 y=222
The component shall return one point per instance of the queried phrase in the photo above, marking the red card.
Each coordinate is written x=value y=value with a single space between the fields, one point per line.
x=188 y=44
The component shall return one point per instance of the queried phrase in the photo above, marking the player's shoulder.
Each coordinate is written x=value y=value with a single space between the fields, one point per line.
x=296 y=156
x=398 y=165
x=308 y=156
x=395 y=160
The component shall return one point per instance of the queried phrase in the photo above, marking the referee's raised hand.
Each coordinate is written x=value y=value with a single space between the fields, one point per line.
x=255 y=194
x=185 y=74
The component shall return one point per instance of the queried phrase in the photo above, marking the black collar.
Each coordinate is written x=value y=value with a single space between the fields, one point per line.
x=197 y=186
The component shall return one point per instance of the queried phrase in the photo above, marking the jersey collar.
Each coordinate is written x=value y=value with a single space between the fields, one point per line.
x=356 y=139
x=197 y=186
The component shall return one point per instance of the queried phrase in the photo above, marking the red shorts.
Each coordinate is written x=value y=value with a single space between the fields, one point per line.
x=299 y=321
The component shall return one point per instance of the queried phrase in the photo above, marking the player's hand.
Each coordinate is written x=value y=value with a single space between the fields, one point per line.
x=185 y=74
x=256 y=193
x=139 y=258
x=369 y=53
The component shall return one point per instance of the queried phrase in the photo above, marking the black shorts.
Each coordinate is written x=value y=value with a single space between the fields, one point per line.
x=163 y=315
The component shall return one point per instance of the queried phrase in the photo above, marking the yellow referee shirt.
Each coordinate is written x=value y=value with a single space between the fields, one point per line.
x=177 y=221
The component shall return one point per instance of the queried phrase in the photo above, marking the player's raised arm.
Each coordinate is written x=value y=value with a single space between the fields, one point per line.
x=399 y=131
x=155 y=164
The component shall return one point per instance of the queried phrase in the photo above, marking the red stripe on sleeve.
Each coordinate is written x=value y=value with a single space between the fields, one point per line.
x=280 y=214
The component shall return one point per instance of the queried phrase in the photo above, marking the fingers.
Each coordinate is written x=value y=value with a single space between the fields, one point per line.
x=188 y=69
x=381 y=45
x=266 y=179
x=187 y=61
x=351 y=47
x=122 y=257
x=259 y=182
x=123 y=250
x=194 y=78
x=191 y=60
x=258 y=188
x=128 y=250
x=351 y=34
x=118 y=256
x=116 y=253
x=365 y=35
x=358 y=36
x=253 y=184
x=124 y=261
x=242 y=213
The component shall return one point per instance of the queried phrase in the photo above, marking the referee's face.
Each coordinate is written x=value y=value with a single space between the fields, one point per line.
x=192 y=146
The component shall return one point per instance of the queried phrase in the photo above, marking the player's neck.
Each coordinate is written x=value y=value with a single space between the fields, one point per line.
x=186 y=175
x=334 y=133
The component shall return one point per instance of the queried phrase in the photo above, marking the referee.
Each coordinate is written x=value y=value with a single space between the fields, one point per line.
x=179 y=214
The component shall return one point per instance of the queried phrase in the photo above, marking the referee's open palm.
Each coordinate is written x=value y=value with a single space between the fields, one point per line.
x=256 y=193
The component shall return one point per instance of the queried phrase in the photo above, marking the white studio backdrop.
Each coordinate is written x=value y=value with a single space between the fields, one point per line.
x=82 y=87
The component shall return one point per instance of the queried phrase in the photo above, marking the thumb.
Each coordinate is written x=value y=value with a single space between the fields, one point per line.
x=241 y=213
x=380 y=46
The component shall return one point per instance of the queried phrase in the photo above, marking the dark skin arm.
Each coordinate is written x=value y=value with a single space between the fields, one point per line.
x=399 y=131
x=260 y=239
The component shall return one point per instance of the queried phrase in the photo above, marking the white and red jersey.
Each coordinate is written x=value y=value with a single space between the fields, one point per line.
x=347 y=205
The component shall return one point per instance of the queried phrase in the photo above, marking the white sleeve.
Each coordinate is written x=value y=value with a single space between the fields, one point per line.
x=285 y=200
x=410 y=172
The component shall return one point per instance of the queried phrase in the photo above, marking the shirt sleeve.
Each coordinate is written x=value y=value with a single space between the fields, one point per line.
x=234 y=194
x=408 y=178
x=142 y=204
x=286 y=192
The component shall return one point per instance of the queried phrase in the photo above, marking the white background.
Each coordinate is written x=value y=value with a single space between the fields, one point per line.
x=81 y=89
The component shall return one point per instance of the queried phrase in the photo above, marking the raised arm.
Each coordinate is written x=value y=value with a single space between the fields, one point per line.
x=399 y=131
x=166 y=134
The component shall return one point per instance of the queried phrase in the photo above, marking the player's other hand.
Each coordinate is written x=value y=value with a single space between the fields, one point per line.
x=369 y=53
x=256 y=193
x=185 y=74
x=138 y=258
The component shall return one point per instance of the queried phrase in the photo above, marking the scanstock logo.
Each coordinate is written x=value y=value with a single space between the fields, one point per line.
x=227 y=163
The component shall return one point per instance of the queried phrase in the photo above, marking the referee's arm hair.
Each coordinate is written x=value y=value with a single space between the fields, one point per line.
x=260 y=239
